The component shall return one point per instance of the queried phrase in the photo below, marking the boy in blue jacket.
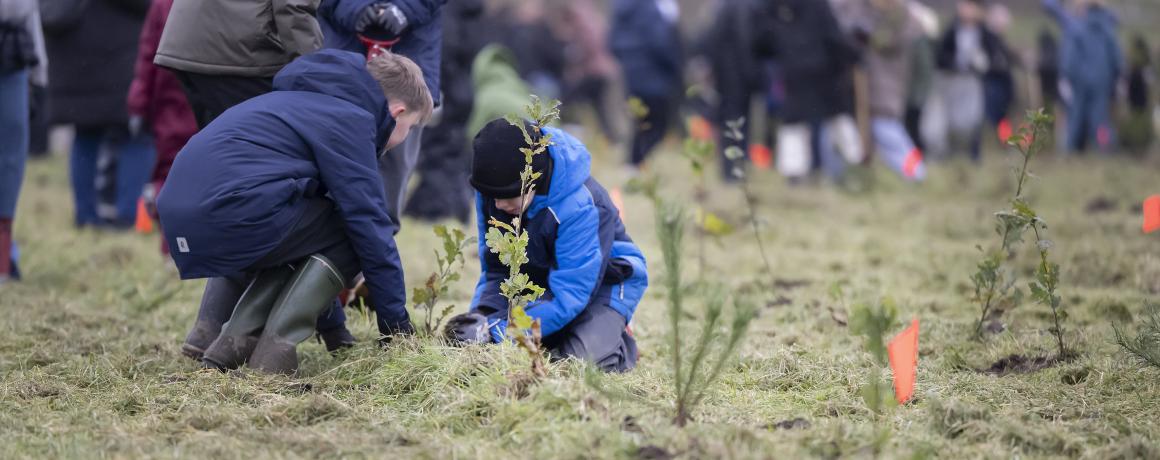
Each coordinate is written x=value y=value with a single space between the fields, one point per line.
x=578 y=248
x=281 y=194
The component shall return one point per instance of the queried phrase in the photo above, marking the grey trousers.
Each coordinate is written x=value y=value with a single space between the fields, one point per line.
x=396 y=167
x=597 y=335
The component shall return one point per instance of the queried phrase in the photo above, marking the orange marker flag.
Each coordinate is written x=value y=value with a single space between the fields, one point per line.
x=761 y=156
x=903 y=350
x=1152 y=214
x=144 y=223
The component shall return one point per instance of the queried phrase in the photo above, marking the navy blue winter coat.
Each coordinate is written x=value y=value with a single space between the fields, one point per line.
x=422 y=41
x=237 y=187
x=575 y=234
x=648 y=47
x=1089 y=55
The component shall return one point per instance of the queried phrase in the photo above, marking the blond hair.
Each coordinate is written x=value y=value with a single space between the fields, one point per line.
x=402 y=81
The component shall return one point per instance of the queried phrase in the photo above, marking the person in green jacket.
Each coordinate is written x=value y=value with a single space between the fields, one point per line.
x=499 y=91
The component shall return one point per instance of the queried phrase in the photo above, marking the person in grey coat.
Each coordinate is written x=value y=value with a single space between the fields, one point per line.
x=227 y=51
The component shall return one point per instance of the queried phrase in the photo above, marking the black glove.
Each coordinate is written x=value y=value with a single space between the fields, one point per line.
x=467 y=329
x=385 y=18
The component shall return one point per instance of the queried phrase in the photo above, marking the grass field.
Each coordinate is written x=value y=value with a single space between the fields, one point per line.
x=90 y=363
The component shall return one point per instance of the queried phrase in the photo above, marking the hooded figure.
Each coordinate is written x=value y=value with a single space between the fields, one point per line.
x=578 y=248
x=287 y=176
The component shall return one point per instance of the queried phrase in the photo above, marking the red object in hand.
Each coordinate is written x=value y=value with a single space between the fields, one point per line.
x=376 y=47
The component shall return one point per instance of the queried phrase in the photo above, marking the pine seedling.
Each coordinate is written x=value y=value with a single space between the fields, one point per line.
x=733 y=153
x=510 y=241
x=874 y=323
x=450 y=261
x=1145 y=345
x=695 y=373
x=698 y=152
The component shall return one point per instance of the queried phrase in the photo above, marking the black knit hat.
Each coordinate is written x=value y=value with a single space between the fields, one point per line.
x=496 y=166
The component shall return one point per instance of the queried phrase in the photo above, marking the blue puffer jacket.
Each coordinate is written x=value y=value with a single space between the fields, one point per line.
x=422 y=42
x=574 y=233
x=648 y=47
x=237 y=187
x=1089 y=53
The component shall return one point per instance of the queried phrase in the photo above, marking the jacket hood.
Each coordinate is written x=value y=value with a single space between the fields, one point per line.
x=571 y=168
x=343 y=75
x=494 y=63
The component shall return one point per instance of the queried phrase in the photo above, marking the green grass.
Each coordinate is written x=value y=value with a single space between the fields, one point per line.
x=90 y=363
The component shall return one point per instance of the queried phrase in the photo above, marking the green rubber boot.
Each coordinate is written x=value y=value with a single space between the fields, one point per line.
x=295 y=315
x=240 y=334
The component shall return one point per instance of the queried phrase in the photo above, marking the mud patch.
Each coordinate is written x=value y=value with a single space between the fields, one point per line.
x=790 y=424
x=651 y=452
x=1100 y=204
x=1019 y=364
x=790 y=284
x=780 y=301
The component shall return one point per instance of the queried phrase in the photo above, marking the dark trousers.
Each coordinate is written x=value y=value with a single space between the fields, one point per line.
x=211 y=95
x=442 y=191
x=319 y=231
x=651 y=130
x=593 y=90
x=597 y=335
x=913 y=122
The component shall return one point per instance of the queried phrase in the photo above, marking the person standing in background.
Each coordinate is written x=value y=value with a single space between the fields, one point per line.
x=737 y=73
x=157 y=103
x=999 y=80
x=1091 y=63
x=412 y=28
x=1136 y=131
x=442 y=190
x=227 y=51
x=23 y=62
x=93 y=44
x=590 y=70
x=963 y=56
x=921 y=68
x=645 y=39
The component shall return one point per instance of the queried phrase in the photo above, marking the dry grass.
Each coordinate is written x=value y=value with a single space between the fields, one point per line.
x=90 y=367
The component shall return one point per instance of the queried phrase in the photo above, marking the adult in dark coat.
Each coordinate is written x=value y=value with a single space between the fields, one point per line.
x=287 y=176
x=737 y=72
x=418 y=26
x=442 y=191
x=644 y=38
x=93 y=46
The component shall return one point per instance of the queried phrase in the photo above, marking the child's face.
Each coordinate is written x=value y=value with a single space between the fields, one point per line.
x=404 y=121
x=512 y=205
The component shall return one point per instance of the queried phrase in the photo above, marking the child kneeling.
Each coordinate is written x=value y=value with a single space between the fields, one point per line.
x=281 y=195
x=578 y=249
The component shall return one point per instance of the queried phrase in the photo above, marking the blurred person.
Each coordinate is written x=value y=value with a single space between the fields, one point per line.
x=1091 y=63
x=815 y=59
x=887 y=31
x=524 y=28
x=1136 y=131
x=579 y=251
x=590 y=70
x=410 y=28
x=499 y=91
x=922 y=68
x=737 y=73
x=999 y=79
x=645 y=40
x=227 y=51
x=94 y=45
x=281 y=196
x=442 y=191
x=1047 y=68
x=964 y=55
x=158 y=104
x=23 y=65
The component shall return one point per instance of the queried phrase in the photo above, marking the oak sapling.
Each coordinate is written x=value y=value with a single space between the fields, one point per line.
x=874 y=324
x=450 y=261
x=510 y=241
x=734 y=153
x=994 y=283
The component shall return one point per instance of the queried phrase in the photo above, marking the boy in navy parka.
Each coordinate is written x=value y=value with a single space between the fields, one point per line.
x=281 y=194
x=578 y=250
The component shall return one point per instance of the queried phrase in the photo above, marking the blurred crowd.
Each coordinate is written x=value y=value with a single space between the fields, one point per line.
x=822 y=85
